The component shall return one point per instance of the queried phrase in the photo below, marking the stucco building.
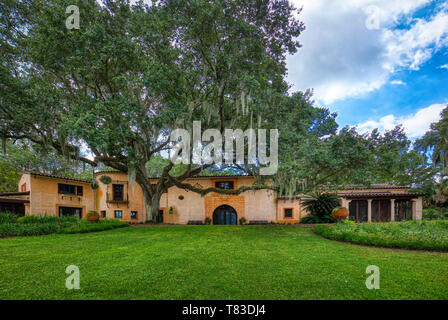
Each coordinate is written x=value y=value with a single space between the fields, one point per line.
x=41 y=194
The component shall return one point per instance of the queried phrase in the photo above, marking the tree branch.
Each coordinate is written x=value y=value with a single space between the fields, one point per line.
x=205 y=191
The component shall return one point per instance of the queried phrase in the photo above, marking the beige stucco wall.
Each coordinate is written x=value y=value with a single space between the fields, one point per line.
x=297 y=210
x=190 y=208
x=25 y=179
x=259 y=205
x=134 y=193
x=45 y=200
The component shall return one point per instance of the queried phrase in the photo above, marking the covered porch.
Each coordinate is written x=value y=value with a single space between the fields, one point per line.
x=383 y=207
x=15 y=202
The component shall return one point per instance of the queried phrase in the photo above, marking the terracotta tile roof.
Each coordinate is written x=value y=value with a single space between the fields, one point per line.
x=377 y=194
x=374 y=186
x=46 y=175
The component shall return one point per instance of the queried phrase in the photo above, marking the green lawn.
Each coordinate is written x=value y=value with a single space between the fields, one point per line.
x=213 y=262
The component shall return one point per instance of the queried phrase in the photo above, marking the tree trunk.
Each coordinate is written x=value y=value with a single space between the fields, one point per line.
x=155 y=207
x=152 y=205
x=151 y=197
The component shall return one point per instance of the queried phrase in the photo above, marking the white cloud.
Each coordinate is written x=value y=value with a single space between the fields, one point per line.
x=415 y=125
x=445 y=66
x=397 y=83
x=342 y=58
x=415 y=46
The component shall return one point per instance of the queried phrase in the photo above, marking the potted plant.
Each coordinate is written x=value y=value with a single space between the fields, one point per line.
x=340 y=213
x=94 y=185
x=106 y=180
x=93 y=216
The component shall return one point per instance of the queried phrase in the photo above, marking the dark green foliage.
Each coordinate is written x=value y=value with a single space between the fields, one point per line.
x=320 y=207
x=435 y=140
x=7 y=217
x=40 y=225
x=42 y=219
x=434 y=148
x=21 y=156
x=423 y=235
x=29 y=229
x=435 y=213
x=242 y=221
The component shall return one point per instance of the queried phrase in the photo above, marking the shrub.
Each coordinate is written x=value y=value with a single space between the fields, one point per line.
x=242 y=221
x=72 y=219
x=208 y=221
x=434 y=214
x=28 y=229
x=39 y=219
x=423 y=235
x=7 y=217
x=40 y=225
x=320 y=208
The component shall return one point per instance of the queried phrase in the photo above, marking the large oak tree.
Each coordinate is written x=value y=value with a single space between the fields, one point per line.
x=130 y=74
x=112 y=91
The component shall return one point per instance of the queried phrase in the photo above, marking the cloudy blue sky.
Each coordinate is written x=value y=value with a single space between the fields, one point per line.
x=378 y=63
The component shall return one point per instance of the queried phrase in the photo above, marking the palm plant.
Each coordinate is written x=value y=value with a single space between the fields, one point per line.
x=441 y=193
x=320 y=207
x=435 y=143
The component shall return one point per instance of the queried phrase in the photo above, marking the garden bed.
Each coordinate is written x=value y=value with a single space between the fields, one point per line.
x=414 y=235
x=11 y=225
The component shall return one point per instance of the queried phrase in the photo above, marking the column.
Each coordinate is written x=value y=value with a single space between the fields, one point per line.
x=417 y=207
x=392 y=210
x=414 y=202
x=369 y=210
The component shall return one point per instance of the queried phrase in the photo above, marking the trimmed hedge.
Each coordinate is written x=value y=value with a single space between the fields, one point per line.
x=46 y=219
x=8 y=217
x=11 y=225
x=28 y=229
x=419 y=235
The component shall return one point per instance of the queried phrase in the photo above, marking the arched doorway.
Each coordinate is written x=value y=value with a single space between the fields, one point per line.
x=225 y=215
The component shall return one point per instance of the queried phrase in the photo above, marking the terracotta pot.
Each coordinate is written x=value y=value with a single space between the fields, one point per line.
x=92 y=218
x=340 y=213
